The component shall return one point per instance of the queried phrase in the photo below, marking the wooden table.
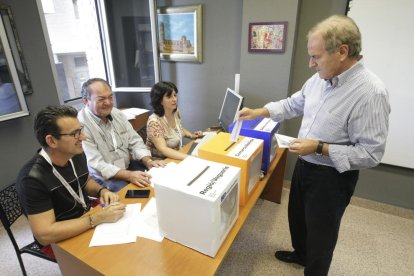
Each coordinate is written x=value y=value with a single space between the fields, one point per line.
x=147 y=257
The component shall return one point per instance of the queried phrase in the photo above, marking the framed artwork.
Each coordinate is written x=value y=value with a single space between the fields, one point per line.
x=180 y=33
x=267 y=37
x=14 y=81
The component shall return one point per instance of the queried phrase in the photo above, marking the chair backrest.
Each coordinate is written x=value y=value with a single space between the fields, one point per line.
x=10 y=209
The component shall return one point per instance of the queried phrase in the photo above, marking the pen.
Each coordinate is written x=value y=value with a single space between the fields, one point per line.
x=110 y=204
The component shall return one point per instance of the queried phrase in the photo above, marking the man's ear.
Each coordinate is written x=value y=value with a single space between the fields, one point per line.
x=51 y=141
x=343 y=51
x=85 y=100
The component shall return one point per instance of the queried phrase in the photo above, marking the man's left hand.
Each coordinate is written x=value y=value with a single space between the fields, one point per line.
x=303 y=146
x=156 y=163
x=108 y=197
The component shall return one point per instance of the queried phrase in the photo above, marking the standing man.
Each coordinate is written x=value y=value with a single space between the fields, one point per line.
x=111 y=140
x=345 y=111
x=53 y=187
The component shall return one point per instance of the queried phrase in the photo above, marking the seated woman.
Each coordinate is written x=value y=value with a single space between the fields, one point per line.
x=164 y=128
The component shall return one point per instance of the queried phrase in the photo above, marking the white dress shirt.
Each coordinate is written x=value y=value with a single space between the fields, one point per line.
x=108 y=142
x=350 y=113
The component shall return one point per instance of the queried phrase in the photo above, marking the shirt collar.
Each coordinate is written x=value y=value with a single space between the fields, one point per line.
x=348 y=74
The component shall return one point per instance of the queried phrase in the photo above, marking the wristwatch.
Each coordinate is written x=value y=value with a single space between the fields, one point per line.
x=100 y=190
x=319 y=148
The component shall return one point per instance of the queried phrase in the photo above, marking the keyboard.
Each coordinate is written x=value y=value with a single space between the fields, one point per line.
x=199 y=142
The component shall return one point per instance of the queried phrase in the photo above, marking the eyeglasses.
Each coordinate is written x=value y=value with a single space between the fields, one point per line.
x=76 y=133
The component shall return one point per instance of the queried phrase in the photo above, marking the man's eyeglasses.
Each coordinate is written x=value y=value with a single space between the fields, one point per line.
x=76 y=133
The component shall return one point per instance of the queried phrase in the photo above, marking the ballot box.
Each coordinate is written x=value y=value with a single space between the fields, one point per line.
x=262 y=128
x=198 y=203
x=246 y=154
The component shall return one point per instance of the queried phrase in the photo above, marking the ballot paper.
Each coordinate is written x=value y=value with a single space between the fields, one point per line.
x=148 y=222
x=283 y=140
x=236 y=131
x=118 y=232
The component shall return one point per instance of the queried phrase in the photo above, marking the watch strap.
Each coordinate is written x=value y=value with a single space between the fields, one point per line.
x=319 y=148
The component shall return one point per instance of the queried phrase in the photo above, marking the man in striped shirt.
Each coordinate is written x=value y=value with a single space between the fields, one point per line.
x=345 y=111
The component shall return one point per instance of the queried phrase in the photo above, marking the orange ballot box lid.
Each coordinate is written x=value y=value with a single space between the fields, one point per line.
x=198 y=203
x=246 y=154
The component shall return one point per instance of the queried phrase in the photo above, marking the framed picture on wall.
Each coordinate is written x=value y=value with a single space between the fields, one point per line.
x=267 y=37
x=14 y=82
x=180 y=33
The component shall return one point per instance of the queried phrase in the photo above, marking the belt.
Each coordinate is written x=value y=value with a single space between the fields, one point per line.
x=312 y=165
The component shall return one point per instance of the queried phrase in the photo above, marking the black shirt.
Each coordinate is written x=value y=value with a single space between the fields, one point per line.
x=39 y=190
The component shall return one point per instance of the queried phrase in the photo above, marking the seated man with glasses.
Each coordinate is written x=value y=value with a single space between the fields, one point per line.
x=111 y=140
x=53 y=187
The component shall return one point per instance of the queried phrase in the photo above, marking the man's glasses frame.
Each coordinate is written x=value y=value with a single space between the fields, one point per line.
x=76 y=133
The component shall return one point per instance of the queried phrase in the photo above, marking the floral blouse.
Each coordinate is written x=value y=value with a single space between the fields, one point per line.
x=158 y=127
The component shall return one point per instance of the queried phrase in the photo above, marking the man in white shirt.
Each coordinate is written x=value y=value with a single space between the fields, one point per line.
x=111 y=141
x=345 y=111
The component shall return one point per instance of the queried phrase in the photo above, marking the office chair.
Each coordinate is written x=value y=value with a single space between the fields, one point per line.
x=10 y=211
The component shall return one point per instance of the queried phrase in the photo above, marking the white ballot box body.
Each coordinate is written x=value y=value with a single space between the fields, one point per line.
x=198 y=204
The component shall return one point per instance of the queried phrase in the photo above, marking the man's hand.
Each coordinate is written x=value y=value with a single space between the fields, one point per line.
x=141 y=179
x=303 y=146
x=108 y=197
x=250 y=114
x=156 y=163
x=111 y=213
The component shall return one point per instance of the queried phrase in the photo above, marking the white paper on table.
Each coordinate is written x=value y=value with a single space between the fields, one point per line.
x=157 y=173
x=283 y=140
x=132 y=112
x=148 y=222
x=236 y=131
x=118 y=232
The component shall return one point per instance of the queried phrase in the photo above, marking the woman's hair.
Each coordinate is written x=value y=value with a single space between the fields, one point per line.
x=157 y=93
x=337 y=30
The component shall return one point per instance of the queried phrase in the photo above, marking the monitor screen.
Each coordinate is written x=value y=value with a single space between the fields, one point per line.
x=231 y=104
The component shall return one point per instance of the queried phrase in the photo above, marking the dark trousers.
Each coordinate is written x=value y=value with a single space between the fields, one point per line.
x=318 y=198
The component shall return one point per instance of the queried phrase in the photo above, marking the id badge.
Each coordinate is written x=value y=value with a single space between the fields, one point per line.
x=120 y=163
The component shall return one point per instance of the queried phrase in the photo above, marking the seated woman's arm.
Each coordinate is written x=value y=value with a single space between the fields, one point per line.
x=161 y=145
x=191 y=135
x=155 y=134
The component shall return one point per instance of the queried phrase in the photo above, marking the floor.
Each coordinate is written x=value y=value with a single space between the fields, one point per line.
x=371 y=242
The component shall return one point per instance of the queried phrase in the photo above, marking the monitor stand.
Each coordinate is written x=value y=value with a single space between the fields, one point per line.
x=215 y=128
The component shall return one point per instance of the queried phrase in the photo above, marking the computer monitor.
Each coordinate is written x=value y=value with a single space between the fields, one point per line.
x=232 y=103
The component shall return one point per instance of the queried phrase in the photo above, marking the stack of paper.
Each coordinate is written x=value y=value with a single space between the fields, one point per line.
x=133 y=224
x=131 y=113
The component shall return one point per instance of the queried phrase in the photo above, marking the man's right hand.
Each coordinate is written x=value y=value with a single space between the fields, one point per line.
x=250 y=114
x=141 y=179
x=110 y=213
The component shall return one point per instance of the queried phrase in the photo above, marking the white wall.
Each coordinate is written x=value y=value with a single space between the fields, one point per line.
x=387 y=41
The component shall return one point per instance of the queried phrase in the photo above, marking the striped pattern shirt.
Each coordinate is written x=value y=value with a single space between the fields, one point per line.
x=349 y=112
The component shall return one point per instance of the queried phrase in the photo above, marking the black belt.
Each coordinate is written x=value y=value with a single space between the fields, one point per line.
x=312 y=165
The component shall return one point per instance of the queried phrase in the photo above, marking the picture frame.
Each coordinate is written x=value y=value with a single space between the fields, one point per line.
x=267 y=37
x=14 y=81
x=180 y=33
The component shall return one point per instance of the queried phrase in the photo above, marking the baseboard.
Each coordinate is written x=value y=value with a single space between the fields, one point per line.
x=374 y=205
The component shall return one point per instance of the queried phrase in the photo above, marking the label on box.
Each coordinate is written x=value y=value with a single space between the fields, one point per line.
x=266 y=125
x=245 y=148
x=208 y=188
